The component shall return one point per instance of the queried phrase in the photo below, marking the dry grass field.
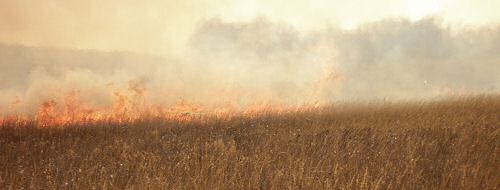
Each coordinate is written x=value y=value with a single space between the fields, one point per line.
x=452 y=144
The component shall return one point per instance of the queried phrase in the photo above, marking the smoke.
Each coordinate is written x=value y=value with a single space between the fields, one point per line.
x=398 y=58
x=265 y=61
x=149 y=27
x=391 y=58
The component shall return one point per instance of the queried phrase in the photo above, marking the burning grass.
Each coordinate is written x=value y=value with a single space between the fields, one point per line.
x=452 y=144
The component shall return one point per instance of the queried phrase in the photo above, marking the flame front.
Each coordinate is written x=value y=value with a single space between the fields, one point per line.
x=131 y=106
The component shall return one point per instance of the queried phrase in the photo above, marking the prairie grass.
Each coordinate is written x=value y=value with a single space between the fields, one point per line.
x=451 y=144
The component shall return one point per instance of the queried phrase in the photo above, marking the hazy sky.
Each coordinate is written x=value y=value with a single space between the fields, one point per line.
x=160 y=26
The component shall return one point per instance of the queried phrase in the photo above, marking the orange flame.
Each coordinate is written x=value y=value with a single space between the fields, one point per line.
x=132 y=105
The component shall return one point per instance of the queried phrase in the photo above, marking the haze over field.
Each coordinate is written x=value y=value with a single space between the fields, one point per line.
x=241 y=53
x=249 y=94
x=161 y=26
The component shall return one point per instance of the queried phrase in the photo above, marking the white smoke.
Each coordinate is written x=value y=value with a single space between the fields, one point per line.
x=268 y=61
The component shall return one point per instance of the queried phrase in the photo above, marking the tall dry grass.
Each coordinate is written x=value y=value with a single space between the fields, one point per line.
x=452 y=144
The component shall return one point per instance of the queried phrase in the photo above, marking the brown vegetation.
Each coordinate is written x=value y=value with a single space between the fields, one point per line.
x=452 y=144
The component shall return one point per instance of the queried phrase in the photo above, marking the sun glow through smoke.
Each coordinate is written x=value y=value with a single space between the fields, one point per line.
x=418 y=9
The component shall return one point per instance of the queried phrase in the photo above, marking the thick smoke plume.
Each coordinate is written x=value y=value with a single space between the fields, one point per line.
x=263 y=61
